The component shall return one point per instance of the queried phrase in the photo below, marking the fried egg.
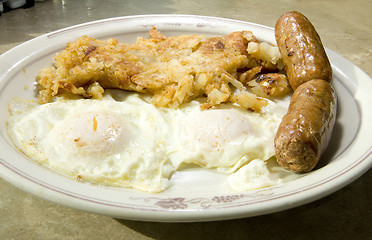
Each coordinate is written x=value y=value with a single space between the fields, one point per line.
x=104 y=141
x=124 y=140
x=224 y=138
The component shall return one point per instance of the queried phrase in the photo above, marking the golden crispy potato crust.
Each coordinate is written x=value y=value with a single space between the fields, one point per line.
x=175 y=70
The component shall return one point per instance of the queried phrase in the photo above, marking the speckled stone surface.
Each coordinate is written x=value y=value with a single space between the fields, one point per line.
x=345 y=27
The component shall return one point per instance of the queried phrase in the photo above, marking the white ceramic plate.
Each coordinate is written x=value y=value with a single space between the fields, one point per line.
x=196 y=194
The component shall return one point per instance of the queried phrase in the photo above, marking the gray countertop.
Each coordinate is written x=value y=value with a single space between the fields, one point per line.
x=345 y=27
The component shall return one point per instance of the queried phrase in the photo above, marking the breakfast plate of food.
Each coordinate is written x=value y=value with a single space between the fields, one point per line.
x=180 y=118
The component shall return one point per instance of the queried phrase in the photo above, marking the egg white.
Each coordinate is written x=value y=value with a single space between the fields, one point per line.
x=124 y=140
x=225 y=138
x=105 y=141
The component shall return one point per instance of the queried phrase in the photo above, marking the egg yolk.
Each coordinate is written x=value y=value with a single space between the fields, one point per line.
x=91 y=134
x=215 y=128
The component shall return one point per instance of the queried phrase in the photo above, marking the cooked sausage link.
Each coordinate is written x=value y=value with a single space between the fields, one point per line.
x=301 y=48
x=305 y=130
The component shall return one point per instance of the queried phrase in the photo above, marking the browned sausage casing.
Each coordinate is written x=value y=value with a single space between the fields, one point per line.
x=305 y=130
x=302 y=51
